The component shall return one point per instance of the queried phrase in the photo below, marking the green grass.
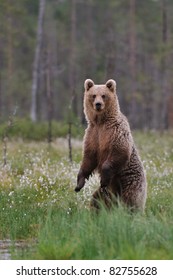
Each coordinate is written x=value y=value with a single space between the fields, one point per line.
x=115 y=235
x=38 y=131
x=38 y=204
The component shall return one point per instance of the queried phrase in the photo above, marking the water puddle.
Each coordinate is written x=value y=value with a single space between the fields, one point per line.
x=9 y=248
x=4 y=249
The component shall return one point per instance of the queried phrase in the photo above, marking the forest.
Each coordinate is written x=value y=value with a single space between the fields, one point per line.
x=48 y=49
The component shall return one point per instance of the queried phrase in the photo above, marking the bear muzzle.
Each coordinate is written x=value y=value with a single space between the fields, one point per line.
x=98 y=106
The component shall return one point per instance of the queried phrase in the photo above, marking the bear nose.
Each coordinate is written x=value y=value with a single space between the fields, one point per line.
x=98 y=105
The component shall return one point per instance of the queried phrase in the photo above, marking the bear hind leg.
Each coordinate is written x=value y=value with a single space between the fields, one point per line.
x=101 y=197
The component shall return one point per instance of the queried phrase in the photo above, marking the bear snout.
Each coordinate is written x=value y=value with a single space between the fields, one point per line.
x=98 y=106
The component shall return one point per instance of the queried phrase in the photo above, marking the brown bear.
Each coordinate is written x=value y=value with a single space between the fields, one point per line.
x=109 y=148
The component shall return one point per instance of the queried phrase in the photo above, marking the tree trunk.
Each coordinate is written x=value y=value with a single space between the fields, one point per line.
x=164 y=70
x=9 y=59
x=49 y=96
x=132 y=63
x=33 y=114
x=111 y=47
x=72 y=66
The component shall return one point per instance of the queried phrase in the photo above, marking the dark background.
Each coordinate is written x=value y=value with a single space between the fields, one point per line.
x=48 y=48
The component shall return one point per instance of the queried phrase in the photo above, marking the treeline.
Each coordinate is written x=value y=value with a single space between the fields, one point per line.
x=130 y=41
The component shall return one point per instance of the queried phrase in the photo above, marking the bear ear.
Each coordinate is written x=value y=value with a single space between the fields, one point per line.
x=88 y=84
x=111 y=84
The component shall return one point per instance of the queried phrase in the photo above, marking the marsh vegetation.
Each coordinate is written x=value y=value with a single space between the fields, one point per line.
x=39 y=208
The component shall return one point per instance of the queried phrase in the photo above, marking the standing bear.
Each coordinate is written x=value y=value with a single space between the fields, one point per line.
x=109 y=148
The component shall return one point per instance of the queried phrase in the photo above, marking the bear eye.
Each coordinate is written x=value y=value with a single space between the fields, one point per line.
x=103 y=96
x=94 y=96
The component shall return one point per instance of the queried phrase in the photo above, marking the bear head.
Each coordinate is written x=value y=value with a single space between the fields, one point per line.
x=99 y=99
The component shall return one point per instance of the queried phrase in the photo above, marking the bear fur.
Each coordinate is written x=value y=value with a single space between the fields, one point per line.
x=108 y=147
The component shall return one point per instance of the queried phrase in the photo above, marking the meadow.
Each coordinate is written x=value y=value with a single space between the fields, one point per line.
x=39 y=208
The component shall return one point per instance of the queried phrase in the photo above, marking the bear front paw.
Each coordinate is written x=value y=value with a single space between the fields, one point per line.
x=77 y=189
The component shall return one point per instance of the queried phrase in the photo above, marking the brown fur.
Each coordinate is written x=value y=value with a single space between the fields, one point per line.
x=109 y=148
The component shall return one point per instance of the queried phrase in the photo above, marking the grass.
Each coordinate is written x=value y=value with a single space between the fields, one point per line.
x=38 y=131
x=38 y=204
x=115 y=235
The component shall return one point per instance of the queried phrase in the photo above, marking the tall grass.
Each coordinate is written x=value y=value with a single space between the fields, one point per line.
x=114 y=235
x=38 y=203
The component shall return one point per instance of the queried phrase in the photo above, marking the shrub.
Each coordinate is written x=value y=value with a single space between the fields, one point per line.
x=26 y=129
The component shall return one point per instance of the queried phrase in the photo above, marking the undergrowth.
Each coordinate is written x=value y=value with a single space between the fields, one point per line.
x=38 y=204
